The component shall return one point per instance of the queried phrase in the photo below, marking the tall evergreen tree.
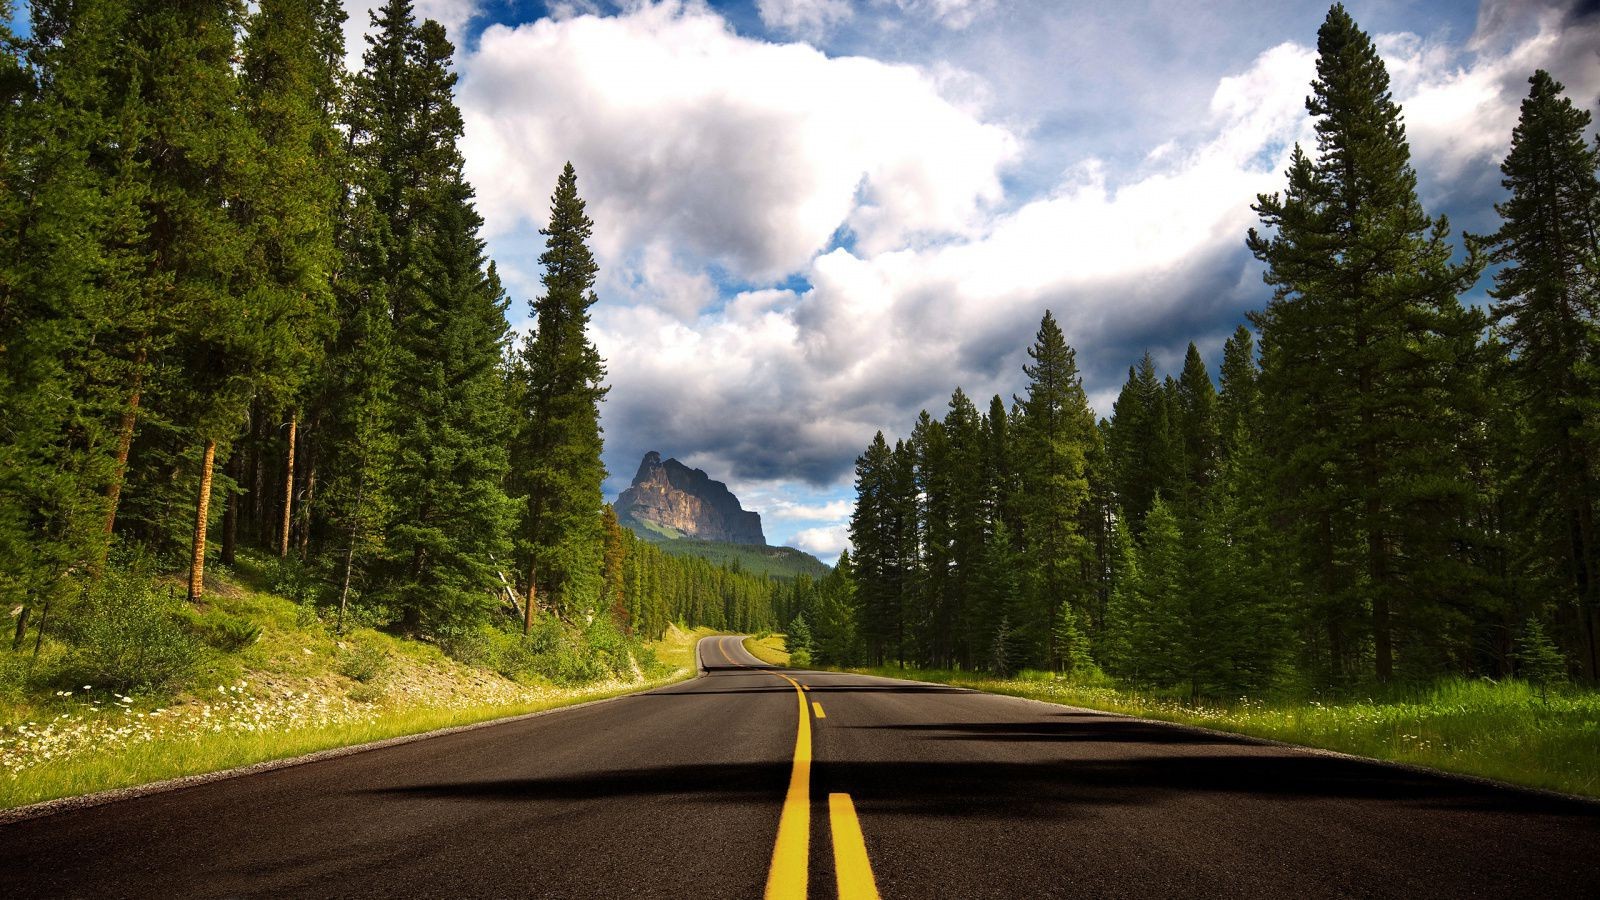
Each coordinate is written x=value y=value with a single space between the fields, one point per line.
x=449 y=516
x=557 y=459
x=289 y=88
x=1368 y=355
x=964 y=430
x=1141 y=443
x=614 y=563
x=1054 y=441
x=1197 y=428
x=883 y=531
x=48 y=203
x=930 y=616
x=197 y=155
x=1548 y=310
x=1239 y=401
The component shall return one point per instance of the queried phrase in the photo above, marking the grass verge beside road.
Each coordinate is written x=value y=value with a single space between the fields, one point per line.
x=95 y=740
x=768 y=648
x=1501 y=730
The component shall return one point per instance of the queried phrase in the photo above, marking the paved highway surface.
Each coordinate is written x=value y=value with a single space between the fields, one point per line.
x=754 y=781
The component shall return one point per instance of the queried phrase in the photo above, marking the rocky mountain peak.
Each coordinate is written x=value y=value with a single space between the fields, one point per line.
x=667 y=498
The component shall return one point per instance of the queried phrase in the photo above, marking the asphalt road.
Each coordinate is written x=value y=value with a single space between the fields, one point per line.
x=680 y=792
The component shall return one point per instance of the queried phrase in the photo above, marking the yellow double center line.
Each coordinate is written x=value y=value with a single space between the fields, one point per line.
x=791 y=854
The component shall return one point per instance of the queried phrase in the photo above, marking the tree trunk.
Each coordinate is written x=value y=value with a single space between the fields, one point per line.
x=527 y=609
x=197 y=562
x=288 y=489
x=344 y=589
x=130 y=418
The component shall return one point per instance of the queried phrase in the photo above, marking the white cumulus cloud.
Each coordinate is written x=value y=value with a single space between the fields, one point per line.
x=739 y=152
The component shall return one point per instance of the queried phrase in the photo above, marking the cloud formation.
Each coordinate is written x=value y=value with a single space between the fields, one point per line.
x=738 y=152
x=798 y=249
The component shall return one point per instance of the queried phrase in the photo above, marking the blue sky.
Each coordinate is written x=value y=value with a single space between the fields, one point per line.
x=816 y=217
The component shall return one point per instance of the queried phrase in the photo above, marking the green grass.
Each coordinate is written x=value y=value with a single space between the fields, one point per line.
x=284 y=686
x=117 y=762
x=677 y=646
x=1500 y=730
x=769 y=649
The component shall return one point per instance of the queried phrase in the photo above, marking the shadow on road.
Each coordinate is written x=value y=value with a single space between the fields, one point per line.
x=1004 y=789
x=1069 y=727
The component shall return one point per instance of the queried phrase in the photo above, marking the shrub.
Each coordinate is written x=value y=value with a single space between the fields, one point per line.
x=289 y=577
x=127 y=634
x=305 y=615
x=468 y=645
x=364 y=663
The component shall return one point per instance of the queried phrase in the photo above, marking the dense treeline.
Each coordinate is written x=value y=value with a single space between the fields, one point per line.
x=1384 y=482
x=244 y=303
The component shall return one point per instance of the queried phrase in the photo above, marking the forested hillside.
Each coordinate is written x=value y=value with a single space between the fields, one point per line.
x=1381 y=483
x=244 y=303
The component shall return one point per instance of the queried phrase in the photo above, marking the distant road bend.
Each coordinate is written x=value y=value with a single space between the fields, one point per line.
x=754 y=780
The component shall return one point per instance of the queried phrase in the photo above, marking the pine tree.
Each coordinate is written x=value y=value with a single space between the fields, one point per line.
x=1239 y=401
x=48 y=512
x=1254 y=590
x=289 y=86
x=449 y=516
x=614 y=560
x=876 y=565
x=930 y=616
x=1198 y=431
x=557 y=460
x=1141 y=444
x=1538 y=659
x=835 y=640
x=198 y=155
x=964 y=430
x=799 y=641
x=1548 y=310
x=1159 y=643
x=1054 y=441
x=1000 y=649
x=1367 y=357
x=1071 y=643
x=1124 y=606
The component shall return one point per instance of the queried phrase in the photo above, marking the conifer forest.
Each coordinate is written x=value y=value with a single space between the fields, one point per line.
x=245 y=307
x=1374 y=482
x=315 y=582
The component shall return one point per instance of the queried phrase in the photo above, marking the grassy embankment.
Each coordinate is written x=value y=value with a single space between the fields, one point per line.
x=296 y=689
x=1501 y=730
x=768 y=648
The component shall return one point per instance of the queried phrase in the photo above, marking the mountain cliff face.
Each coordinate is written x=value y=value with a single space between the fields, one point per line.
x=669 y=498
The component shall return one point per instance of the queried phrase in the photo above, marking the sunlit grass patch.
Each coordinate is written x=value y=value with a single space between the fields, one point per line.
x=769 y=649
x=1503 y=730
x=91 y=740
